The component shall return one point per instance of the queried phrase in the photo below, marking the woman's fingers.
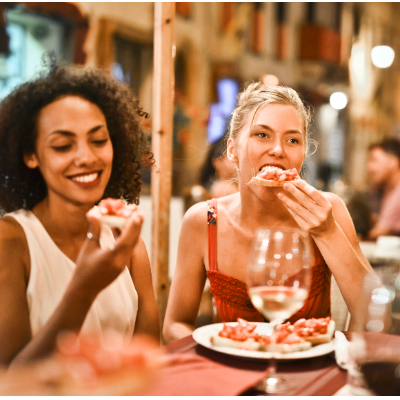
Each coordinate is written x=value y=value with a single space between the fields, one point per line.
x=309 y=207
x=93 y=233
x=131 y=232
x=310 y=198
x=300 y=221
x=297 y=208
x=117 y=253
x=302 y=190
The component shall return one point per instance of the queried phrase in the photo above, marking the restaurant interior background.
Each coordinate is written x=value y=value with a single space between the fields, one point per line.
x=321 y=49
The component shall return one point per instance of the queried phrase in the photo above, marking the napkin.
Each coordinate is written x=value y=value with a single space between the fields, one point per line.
x=346 y=355
x=193 y=375
x=342 y=350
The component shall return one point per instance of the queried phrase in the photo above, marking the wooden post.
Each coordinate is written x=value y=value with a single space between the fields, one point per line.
x=162 y=125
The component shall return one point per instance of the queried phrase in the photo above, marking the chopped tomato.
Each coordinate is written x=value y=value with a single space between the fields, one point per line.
x=284 y=333
x=276 y=174
x=116 y=207
x=311 y=327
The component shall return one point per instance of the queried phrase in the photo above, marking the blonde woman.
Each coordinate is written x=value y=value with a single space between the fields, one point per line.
x=268 y=127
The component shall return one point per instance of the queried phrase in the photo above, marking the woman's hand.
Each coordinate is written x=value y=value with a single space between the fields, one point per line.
x=96 y=268
x=309 y=207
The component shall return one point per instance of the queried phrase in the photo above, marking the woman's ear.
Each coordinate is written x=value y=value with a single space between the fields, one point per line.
x=31 y=161
x=231 y=151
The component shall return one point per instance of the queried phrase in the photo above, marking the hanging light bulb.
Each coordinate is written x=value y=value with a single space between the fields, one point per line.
x=382 y=56
x=338 y=100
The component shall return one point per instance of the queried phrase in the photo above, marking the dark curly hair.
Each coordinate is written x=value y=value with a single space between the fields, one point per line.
x=22 y=187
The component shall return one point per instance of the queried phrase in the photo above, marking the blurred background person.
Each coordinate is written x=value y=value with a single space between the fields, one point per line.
x=218 y=175
x=384 y=171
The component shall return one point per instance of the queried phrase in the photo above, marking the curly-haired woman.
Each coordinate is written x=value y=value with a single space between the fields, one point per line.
x=269 y=127
x=68 y=139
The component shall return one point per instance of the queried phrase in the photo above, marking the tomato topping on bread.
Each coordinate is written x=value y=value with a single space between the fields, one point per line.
x=300 y=336
x=113 y=212
x=275 y=176
x=315 y=331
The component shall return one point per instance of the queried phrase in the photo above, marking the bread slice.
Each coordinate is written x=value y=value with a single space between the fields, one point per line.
x=113 y=212
x=288 y=348
x=248 y=344
x=320 y=339
x=113 y=221
x=269 y=183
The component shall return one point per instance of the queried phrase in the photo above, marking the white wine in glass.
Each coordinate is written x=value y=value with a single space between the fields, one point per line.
x=278 y=281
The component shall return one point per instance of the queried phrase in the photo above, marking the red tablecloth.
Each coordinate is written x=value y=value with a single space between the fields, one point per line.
x=318 y=376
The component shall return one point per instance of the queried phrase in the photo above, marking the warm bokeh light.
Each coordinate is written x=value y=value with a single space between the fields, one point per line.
x=338 y=100
x=270 y=80
x=382 y=56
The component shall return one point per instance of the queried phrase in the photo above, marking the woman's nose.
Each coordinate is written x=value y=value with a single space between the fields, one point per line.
x=84 y=155
x=276 y=149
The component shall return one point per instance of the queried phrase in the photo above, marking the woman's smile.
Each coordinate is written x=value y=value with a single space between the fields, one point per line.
x=87 y=179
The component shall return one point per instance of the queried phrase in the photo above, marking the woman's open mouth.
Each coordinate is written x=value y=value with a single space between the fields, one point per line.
x=271 y=166
x=86 y=179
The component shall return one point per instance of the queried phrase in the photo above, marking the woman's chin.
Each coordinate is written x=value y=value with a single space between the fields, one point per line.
x=267 y=194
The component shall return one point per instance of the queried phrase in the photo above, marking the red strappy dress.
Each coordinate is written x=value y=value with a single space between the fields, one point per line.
x=230 y=294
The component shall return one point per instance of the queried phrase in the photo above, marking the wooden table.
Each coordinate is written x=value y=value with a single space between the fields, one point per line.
x=319 y=376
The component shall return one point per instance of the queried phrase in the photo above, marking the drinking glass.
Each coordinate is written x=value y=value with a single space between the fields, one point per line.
x=278 y=280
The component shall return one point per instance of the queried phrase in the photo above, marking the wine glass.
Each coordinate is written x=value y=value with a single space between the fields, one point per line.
x=278 y=280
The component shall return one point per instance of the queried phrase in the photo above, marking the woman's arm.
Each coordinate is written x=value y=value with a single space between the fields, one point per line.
x=95 y=269
x=189 y=275
x=15 y=329
x=326 y=218
x=147 y=320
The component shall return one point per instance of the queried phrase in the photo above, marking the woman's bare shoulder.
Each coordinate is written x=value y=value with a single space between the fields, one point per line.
x=337 y=203
x=198 y=212
x=13 y=245
x=339 y=210
x=10 y=229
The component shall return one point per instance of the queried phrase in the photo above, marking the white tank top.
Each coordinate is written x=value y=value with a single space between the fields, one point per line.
x=115 y=307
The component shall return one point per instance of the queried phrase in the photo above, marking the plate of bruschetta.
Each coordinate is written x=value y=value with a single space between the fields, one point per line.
x=306 y=338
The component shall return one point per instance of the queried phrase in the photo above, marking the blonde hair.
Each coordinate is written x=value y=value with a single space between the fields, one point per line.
x=255 y=95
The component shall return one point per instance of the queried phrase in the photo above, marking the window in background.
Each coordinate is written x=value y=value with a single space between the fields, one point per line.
x=257 y=28
x=227 y=15
x=220 y=112
x=281 y=33
x=31 y=36
x=133 y=63
x=184 y=9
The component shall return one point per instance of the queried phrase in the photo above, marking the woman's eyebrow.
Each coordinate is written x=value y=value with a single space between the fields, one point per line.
x=270 y=129
x=96 y=128
x=71 y=134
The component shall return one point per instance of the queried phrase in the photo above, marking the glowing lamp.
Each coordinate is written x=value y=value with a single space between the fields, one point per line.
x=382 y=56
x=338 y=100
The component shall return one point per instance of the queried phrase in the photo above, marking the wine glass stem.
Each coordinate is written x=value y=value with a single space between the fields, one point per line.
x=272 y=363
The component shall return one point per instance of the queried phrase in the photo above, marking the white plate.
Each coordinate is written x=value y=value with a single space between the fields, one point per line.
x=203 y=334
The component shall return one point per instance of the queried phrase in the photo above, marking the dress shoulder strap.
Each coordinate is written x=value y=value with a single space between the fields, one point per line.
x=212 y=234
